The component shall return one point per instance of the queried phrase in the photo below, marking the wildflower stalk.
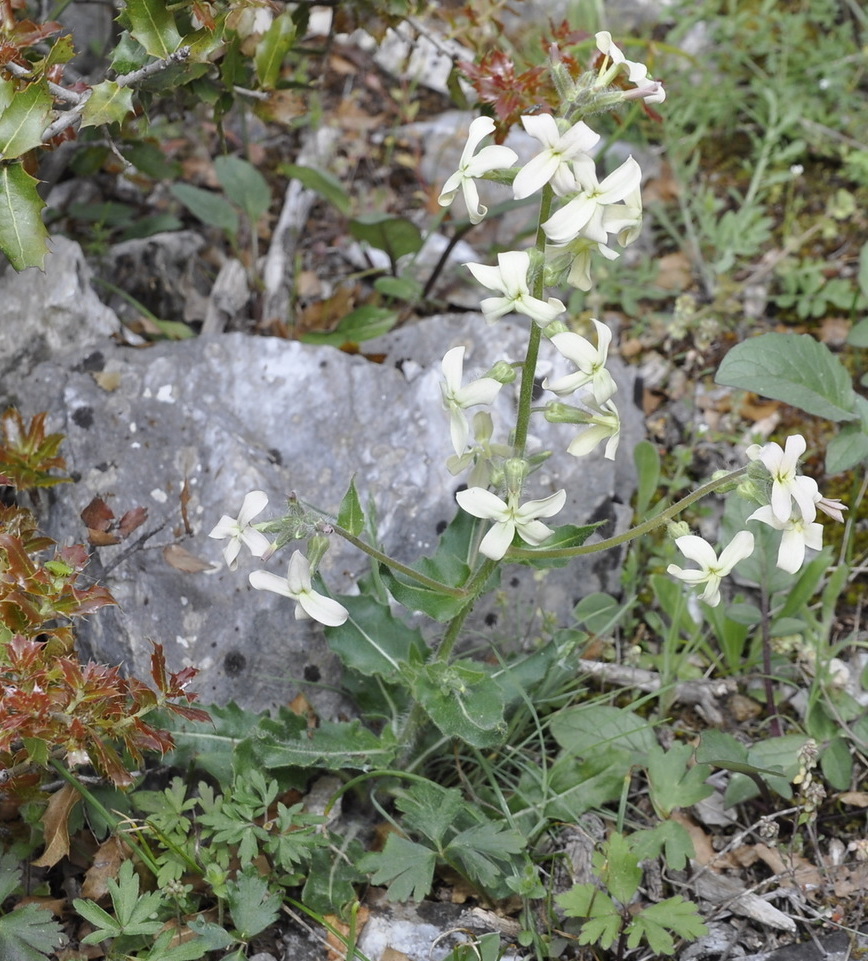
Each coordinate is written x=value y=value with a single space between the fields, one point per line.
x=525 y=397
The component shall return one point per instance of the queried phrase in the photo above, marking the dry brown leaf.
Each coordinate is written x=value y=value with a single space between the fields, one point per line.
x=834 y=330
x=337 y=948
x=107 y=860
x=182 y=560
x=702 y=846
x=858 y=799
x=393 y=954
x=97 y=515
x=56 y=827
x=802 y=871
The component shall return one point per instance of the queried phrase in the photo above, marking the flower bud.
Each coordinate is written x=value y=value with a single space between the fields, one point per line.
x=316 y=548
x=515 y=472
x=503 y=372
x=677 y=529
x=557 y=412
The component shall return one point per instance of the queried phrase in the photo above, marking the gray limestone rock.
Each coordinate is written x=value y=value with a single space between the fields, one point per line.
x=186 y=429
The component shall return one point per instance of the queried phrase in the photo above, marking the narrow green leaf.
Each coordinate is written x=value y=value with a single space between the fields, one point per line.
x=244 y=185
x=321 y=182
x=350 y=515
x=210 y=208
x=24 y=120
x=23 y=237
x=401 y=288
x=152 y=24
x=836 y=762
x=793 y=368
x=271 y=50
x=647 y=460
x=108 y=103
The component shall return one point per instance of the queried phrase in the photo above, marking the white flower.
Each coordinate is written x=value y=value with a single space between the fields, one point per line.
x=625 y=219
x=650 y=90
x=510 y=278
x=605 y=426
x=591 y=363
x=584 y=214
x=297 y=585
x=456 y=398
x=797 y=535
x=470 y=166
x=509 y=518
x=712 y=569
x=787 y=485
x=550 y=164
x=239 y=530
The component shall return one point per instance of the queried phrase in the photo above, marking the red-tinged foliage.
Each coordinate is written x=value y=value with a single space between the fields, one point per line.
x=497 y=83
x=103 y=529
x=51 y=705
x=27 y=453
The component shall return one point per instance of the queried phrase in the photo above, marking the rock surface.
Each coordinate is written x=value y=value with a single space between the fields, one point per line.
x=186 y=429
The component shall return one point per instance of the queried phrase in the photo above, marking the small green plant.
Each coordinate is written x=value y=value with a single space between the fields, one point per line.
x=29 y=933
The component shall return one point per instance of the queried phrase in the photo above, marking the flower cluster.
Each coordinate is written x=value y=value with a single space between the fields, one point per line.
x=588 y=214
x=296 y=585
x=793 y=500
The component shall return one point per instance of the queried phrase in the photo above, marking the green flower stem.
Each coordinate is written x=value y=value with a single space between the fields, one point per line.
x=137 y=844
x=400 y=568
x=644 y=528
x=525 y=397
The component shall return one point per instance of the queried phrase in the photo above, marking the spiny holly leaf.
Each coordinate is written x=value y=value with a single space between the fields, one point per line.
x=654 y=923
x=29 y=934
x=22 y=234
x=23 y=122
x=153 y=25
x=407 y=867
x=108 y=103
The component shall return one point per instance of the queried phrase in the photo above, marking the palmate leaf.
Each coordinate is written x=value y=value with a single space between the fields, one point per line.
x=603 y=922
x=479 y=849
x=674 y=784
x=253 y=906
x=407 y=867
x=654 y=922
x=29 y=934
x=23 y=237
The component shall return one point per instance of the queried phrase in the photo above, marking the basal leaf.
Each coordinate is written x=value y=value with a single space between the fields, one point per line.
x=674 y=782
x=363 y=323
x=655 y=922
x=463 y=700
x=793 y=368
x=396 y=236
x=29 y=934
x=591 y=728
x=253 y=906
x=244 y=185
x=23 y=237
x=108 y=103
x=332 y=745
x=210 y=208
x=24 y=120
x=407 y=867
x=152 y=24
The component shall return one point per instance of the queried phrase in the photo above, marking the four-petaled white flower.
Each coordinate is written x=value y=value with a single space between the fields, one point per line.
x=473 y=165
x=797 y=535
x=605 y=425
x=456 y=398
x=585 y=213
x=510 y=278
x=590 y=361
x=650 y=90
x=787 y=485
x=510 y=518
x=576 y=256
x=712 y=569
x=297 y=585
x=239 y=530
x=551 y=163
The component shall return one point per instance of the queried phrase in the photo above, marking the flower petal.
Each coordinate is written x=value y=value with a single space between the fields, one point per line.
x=323 y=609
x=482 y=503
x=267 y=581
x=496 y=542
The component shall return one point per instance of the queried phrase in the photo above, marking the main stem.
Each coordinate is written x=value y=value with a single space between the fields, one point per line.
x=528 y=370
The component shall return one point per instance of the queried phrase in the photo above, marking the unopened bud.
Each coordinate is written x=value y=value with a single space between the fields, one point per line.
x=316 y=548
x=677 y=529
x=503 y=372
x=515 y=472
x=557 y=412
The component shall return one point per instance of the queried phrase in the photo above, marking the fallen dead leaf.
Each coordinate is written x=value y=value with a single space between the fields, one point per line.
x=674 y=271
x=337 y=947
x=858 y=799
x=55 y=824
x=107 y=379
x=106 y=863
x=182 y=560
